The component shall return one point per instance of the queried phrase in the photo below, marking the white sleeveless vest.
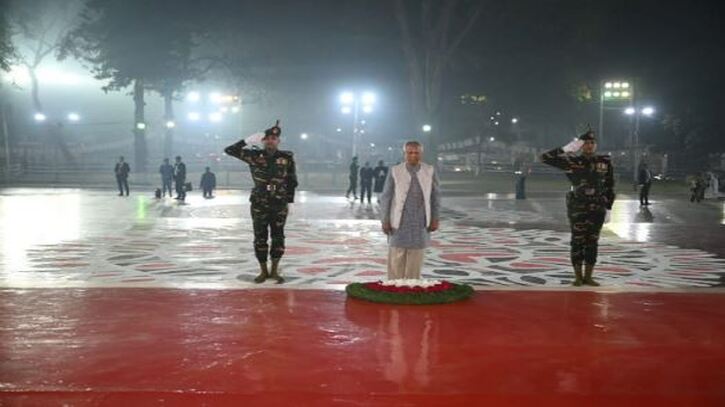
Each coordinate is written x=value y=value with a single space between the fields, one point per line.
x=402 y=184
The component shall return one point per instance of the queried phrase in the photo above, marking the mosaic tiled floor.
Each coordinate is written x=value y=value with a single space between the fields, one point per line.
x=329 y=242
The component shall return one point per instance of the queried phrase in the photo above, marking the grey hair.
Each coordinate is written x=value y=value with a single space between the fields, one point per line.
x=413 y=143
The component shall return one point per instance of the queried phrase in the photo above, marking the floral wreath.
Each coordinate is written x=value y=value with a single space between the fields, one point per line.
x=410 y=291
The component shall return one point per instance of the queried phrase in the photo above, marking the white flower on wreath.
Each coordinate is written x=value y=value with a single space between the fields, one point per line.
x=411 y=283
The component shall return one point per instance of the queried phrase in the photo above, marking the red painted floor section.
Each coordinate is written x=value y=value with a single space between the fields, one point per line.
x=136 y=347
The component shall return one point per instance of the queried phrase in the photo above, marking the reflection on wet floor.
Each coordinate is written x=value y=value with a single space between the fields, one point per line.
x=631 y=222
x=31 y=220
x=244 y=347
x=72 y=237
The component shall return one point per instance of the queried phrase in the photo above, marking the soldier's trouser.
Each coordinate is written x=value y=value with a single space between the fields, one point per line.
x=122 y=184
x=268 y=219
x=404 y=263
x=207 y=192
x=366 y=189
x=586 y=220
x=166 y=185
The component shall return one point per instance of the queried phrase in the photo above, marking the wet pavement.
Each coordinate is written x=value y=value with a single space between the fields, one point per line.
x=111 y=301
x=139 y=347
x=81 y=238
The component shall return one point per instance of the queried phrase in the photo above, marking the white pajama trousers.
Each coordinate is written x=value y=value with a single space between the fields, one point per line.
x=404 y=263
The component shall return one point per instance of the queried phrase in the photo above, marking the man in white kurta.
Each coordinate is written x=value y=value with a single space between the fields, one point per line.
x=409 y=207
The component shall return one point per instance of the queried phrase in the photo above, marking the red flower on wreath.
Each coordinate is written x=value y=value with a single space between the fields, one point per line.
x=378 y=286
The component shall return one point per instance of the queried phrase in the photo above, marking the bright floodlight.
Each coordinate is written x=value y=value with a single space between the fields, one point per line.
x=140 y=125
x=170 y=124
x=304 y=136
x=372 y=145
x=367 y=109
x=346 y=110
x=625 y=94
x=339 y=130
x=362 y=131
x=607 y=94
x=368 y=98
x=347 y=98
x=648 y=111
x=215 y=117
x=629 y=111
x=616 y=94
x=235 y=109
x=492 y=139
x=427 y=128
x=362 y=122
x=496 y=123
x=39 y=117
x=625 y=85
x=73 y=117
x=215 y=97
x=514 y=120
x=617 y=85
x=193 y=97
x=194 y=116
x=608 y=85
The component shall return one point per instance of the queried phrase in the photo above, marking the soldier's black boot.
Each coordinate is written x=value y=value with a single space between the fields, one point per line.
x=577 y=276
x=263 y=273
x=275 y=274
x=588 y=280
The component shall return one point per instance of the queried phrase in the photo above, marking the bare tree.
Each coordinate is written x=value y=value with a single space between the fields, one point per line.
x=7 y=50
x=38 y=27
x=431 y=33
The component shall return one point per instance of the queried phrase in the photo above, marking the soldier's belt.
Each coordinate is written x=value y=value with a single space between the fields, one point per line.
x=267 y=188
x=589 y=192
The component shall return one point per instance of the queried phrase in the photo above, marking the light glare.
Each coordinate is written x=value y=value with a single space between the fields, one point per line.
x=347 y=98
x=368 y=98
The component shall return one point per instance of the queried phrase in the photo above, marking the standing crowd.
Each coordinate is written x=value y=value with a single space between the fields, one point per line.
x=171 y=175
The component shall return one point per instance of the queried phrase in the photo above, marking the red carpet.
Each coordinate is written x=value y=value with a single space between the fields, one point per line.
x=134 y=347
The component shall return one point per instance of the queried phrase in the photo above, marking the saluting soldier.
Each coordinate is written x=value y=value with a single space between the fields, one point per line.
x=275 y=179
x=591 y=195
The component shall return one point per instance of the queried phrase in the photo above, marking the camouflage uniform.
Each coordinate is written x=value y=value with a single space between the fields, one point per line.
x=592 y=193
x=275 y=180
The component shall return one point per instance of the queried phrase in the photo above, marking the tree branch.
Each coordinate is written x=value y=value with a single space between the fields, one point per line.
x=469 y=25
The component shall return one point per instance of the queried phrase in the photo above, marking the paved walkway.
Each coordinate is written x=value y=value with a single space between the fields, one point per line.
x=81 y=238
